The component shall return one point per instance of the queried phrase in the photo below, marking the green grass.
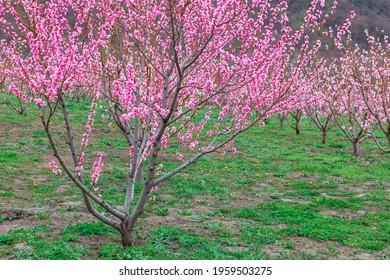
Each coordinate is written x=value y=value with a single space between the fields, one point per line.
x=27 y=235
x=284 y=196
x=90 y=229
x=351 y=203
x=56 y=250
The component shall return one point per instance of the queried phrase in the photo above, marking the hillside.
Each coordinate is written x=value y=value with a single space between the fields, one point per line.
x=373 y=15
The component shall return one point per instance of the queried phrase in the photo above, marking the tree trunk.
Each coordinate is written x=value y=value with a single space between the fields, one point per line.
x=388 y=138
x=127 y=238
x=297 y=130
x=388 y=135
x=323 y=137
x=356 y=147
x=139 y=177
x=281 y=120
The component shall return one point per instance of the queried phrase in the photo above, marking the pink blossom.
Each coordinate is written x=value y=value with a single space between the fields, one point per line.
x=208 y=85
x=96 y=170
x=55 y=168
x=180 y=156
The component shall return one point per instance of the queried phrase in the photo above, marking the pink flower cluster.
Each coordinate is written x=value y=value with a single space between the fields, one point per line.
x=96 y=170
x=55 y=168
x=19 y=94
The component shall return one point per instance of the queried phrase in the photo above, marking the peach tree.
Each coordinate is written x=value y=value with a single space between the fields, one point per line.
x=191 y=72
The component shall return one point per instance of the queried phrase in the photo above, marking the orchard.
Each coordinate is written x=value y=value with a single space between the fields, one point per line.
x=137 y=96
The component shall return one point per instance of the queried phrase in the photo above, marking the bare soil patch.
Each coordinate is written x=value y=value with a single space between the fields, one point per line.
x=317 y=249
x=343 y=213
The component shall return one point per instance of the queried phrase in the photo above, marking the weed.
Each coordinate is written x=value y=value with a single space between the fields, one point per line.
x=184 y=213
x=92 y=229
x=43 y=216
x=162 y=212
x=46 y=250
x=289 y=245
x=260 y=235
x=219 y=229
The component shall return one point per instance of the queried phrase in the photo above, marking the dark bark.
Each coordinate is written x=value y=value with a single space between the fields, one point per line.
x=127 y=238
x=356 y=147
x=388 y=137
x=323 y=137
x=388 y=140
x=297 y=117
x=297 y=130
x=282 y=118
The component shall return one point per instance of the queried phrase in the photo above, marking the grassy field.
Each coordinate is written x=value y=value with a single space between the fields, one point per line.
x=283 y=196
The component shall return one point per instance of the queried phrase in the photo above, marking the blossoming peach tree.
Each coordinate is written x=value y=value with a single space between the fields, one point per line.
x=318 y=111
x=371 y=70
x=191 y=72
x=346 y=95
